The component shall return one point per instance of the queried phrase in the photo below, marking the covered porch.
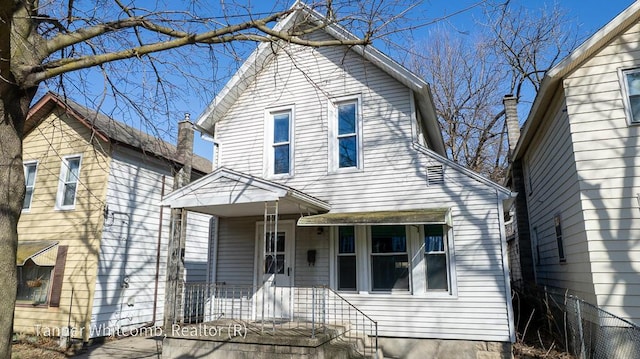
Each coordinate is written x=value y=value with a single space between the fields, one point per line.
x=269 y=282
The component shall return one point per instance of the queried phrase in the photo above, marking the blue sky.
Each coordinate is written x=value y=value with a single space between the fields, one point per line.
x=589 y=15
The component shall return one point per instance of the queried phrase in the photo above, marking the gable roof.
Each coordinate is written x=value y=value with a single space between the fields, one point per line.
x=229 y=193
x=553 y=78
x=108 y=129
x=264 y=54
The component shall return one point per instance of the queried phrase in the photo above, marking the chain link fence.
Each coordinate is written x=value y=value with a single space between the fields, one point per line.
x=578 y=327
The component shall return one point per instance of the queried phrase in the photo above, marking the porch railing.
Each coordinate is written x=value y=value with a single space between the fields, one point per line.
x=314 y=312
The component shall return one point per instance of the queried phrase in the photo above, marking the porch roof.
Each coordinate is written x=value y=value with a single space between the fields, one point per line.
x=423 y=216
x=42 y=253
x=228 y=193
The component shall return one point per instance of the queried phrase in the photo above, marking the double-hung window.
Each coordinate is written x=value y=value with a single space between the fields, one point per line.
x=389 y=259
x=345 y=128
x=630 y=79
x=68 y=185
x=436 y=258
x=30 y=169
x=279 y=142
x=347 y=270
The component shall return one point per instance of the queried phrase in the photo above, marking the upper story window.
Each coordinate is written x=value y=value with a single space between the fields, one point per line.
x=345 y=134
x=68 y=185
x=279 y=135
x=30 y=170
x=631 y=92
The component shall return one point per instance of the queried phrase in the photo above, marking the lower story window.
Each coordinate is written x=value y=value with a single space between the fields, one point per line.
x=389 y=258
x=347 y=259
x=33 y=283
x=435 y=255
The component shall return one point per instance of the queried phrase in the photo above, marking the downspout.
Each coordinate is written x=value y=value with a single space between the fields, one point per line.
x=158 y=252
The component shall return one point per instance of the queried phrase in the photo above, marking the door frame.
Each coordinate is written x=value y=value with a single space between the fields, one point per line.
x=290 y=250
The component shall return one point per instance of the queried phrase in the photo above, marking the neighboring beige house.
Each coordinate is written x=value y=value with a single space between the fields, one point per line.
x=334 y=196
x=91 y=252
x=577 y=171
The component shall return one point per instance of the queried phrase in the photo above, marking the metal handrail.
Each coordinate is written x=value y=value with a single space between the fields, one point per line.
x=373 y=325
x=317 y=309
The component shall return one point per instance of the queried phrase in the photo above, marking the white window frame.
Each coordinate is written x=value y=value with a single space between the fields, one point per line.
x=33 y=186
x=269 y=156
x=624 y=85
x=334 y=148
x=446 y=252
x=354 y=255
x=407 y=251
x=64 y=169
x=417 y=262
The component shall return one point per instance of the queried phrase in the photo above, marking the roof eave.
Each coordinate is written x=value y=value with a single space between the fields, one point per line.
x=553 y=77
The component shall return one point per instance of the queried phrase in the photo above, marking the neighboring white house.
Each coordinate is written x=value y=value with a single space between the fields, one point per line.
x=577 y=167
x=92 y=232
x=346 y=142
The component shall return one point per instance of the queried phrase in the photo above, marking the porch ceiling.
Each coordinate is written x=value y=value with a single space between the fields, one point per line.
x=228 y=193
x=422 y=216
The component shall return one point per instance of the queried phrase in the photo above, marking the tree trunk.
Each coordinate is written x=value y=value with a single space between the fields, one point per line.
x=14 y=105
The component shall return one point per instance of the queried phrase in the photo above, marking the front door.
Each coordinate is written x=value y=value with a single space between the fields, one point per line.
x=275 y=252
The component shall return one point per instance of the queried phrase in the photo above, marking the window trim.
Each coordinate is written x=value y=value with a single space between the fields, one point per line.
x=417 y=269
x=355 y=258
x=333 y=137
x=622 y=77
x=445 y=252
x=64 y=168
x=407 y=252
x=269 y=156
x=33 y=186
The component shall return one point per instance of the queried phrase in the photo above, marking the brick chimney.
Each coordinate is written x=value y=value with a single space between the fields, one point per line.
x=513 y=125
x=184 y=151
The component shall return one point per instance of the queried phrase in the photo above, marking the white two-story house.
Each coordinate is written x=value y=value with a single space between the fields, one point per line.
x=337 y=150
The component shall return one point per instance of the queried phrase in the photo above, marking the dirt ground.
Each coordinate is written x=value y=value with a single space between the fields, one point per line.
x=38 y=348
x=42 y=348
x=524 y=351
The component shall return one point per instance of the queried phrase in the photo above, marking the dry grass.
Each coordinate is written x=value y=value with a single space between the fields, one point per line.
x=524 y=351
x=30 y=347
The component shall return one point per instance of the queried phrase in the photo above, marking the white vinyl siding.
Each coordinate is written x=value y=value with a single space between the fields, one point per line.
x=608 y=167
x=552 y=172
x=69 y=181
x=129 y=245
x=395 y=178
x=236 y=251
x=312 y=239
